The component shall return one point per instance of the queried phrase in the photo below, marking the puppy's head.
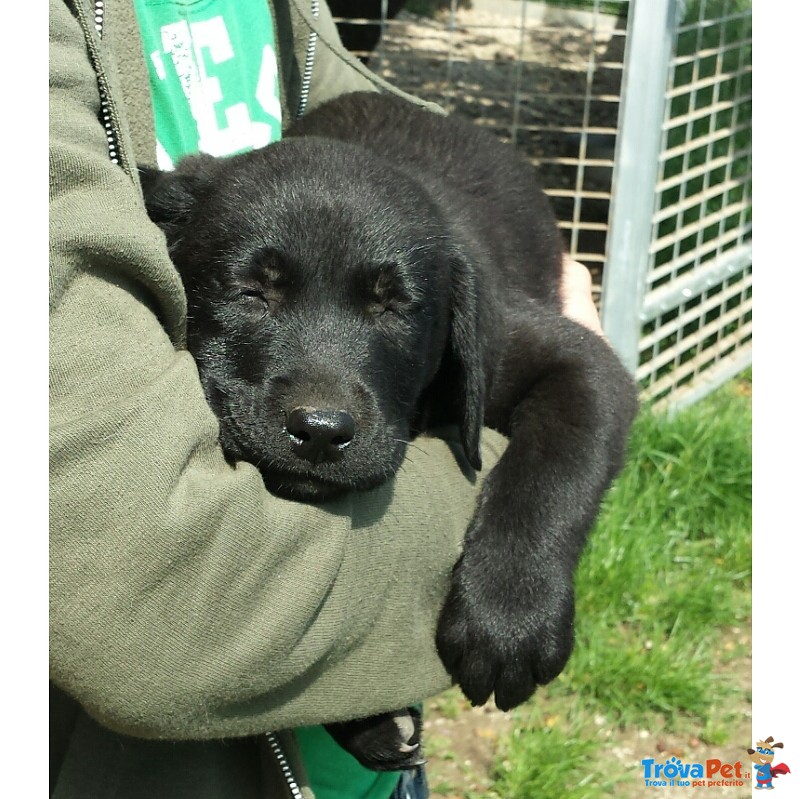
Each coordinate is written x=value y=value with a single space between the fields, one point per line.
x=318 y=282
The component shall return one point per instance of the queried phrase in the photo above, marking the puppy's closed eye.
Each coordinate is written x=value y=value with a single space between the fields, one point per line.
x=266 y=280
x=385 y=290
x=257 y=296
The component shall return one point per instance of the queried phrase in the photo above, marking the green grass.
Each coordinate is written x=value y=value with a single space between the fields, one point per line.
x=669 y=561
x=520 y=774
x=665 y=576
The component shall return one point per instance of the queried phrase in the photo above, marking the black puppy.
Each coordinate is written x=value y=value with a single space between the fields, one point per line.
x=380 y=270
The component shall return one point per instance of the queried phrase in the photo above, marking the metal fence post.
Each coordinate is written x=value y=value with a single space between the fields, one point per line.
x=651 y=31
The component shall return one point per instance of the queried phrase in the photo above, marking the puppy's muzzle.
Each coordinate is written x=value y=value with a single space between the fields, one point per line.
x=318 y=435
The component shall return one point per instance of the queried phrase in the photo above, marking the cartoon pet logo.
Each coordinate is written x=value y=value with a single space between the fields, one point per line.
x=762 y=757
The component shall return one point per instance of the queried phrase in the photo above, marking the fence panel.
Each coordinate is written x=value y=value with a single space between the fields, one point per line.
x=696 y=313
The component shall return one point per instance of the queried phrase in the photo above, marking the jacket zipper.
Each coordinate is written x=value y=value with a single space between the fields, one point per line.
x=283 y=764
x=105 y=106
x=311 y=52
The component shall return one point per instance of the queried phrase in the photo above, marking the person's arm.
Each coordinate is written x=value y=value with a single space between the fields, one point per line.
x=186 y=601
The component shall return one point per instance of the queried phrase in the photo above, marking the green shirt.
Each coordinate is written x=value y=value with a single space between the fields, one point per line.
x=213 y=76
x=336 y=774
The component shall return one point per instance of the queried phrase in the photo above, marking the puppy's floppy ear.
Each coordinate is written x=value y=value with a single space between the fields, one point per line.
x=170 y=196
x=467 y=355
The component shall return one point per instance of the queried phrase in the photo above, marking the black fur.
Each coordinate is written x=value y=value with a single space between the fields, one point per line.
x=404 y=268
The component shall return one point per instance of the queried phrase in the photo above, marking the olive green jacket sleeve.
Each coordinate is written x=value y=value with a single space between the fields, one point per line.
x=186 y=601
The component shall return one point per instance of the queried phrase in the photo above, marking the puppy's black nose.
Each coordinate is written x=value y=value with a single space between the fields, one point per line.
x=319 y=435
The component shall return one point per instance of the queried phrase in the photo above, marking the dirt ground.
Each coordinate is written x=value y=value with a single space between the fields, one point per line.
x=462 y=742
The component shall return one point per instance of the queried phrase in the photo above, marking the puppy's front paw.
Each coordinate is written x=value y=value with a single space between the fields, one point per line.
x=507 y=624
x=386 y=742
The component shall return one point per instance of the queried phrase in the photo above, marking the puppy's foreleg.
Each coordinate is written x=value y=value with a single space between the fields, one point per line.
x=566 y=402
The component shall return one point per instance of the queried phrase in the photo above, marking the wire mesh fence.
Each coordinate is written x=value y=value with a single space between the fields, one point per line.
x=669 y=168
x=697 y=311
